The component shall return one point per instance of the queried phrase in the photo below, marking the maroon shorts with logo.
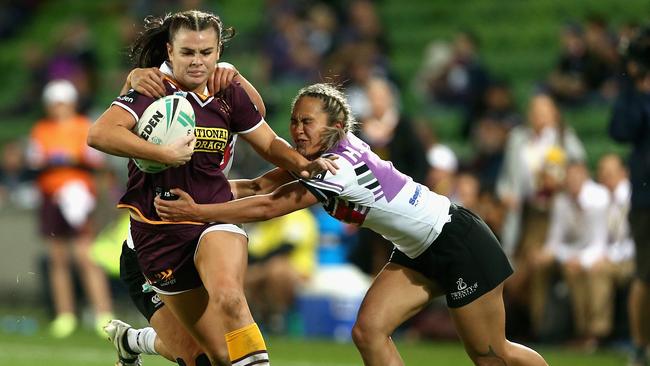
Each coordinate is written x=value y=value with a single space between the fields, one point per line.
x=166 y=255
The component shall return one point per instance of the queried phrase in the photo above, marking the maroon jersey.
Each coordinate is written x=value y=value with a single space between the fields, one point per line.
x=218 y=118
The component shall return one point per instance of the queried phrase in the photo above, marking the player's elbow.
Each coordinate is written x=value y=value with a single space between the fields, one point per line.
x=94 y=137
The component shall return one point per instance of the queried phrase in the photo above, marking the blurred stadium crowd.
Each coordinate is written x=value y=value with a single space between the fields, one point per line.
x=514 y=158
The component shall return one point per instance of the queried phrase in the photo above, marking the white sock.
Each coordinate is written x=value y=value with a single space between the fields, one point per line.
x=142 y=340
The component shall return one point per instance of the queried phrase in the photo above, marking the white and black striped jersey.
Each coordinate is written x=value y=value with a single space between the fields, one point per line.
x=370 y=192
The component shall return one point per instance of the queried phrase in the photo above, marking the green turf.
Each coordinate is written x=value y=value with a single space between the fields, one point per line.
x=87 y=349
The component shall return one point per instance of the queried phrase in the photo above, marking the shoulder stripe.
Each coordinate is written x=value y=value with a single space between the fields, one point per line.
x=128 y=109
x=253 y=128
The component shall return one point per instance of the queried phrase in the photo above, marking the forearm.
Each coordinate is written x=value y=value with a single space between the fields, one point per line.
x=264 y=184
x=122 y=142
x=116 y=138
x=250 y=209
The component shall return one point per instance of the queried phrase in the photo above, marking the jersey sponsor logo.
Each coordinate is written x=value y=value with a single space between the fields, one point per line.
x=415 y=199
x=129 y=97
x=211 y=139
x=463 y=289
x=151 y=124
x=461 y=284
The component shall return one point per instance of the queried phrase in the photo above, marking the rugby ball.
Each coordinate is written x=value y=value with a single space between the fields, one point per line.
x=163 y=122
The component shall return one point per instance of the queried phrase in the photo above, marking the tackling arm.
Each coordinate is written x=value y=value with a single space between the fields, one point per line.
x=264 y=184
x=287 y=198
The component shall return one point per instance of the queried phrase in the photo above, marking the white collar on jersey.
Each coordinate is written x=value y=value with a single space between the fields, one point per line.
x=166 y=68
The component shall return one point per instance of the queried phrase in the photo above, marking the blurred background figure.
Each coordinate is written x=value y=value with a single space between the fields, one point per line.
x=533 y=171
x=443 y=165
x=545 y=141
x=577 y=241
x=16 y=180
x=282 y=258
x=630 y=123
x=464 y=77
x=64 y=162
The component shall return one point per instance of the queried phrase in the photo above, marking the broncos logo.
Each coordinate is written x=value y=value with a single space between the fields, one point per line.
x=165 y=275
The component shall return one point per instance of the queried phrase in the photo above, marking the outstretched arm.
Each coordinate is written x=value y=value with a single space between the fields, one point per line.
x=286 y=199
x=264 y=184
x=277 y=151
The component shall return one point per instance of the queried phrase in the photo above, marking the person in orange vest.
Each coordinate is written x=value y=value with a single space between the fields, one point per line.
x=58 y=151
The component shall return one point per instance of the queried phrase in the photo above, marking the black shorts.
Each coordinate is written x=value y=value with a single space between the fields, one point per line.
x=639 y=219
x=465 y=260
x=146 y=302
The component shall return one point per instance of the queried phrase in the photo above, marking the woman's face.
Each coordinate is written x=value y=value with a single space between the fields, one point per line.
x=308 y=121
x=193 y=55
x=542 y=113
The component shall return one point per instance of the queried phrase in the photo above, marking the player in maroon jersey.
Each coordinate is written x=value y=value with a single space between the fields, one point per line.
x=197 y=269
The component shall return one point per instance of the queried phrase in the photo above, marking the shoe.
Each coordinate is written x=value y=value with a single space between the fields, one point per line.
x=63 y=325
x=116 y=331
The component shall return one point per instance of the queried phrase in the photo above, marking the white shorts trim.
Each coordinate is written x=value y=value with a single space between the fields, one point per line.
x=159 y=291
x=220 y=227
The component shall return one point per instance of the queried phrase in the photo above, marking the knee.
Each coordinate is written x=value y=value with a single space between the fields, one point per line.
x=494 y=355
x=230 y=302
x=365 y=331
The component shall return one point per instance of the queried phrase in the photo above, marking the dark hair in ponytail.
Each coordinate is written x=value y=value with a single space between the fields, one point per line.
x=150 y=48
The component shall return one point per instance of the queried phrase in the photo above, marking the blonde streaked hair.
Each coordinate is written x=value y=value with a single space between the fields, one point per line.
x=336 y=105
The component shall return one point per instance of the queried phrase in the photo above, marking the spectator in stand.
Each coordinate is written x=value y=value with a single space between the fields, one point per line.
x=58 y=151
x=603 y=58
x=288 y=52
x=577 y=240
x=464 y=78
x=630 y=123
x=362 y=25
x=497 y=103
x=566 y=82
x=617 y=265
x=75 y=59
x=587 y=65
x=528 y=150
x=533 y=168
x=443 y=165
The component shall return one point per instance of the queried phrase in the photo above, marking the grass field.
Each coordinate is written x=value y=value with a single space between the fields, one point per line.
x=86 y=349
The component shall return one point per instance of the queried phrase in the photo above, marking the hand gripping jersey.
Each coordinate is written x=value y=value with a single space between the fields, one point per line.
x=218 y=119
x=370 y=192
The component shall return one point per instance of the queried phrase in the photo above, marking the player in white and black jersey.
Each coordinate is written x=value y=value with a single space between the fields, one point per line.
x=440 y=248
